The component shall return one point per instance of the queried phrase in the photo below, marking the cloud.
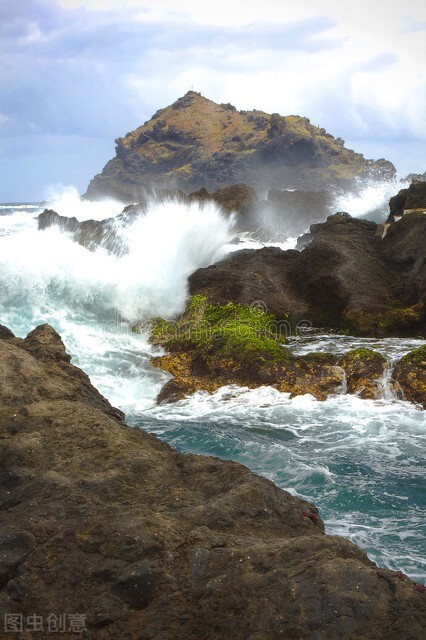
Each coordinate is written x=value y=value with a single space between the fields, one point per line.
x=86 y=71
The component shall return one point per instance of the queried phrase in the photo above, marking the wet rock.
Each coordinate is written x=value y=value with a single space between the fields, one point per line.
x=346 y=277
x=211 y=346
x=410 y=374
x=363 y=368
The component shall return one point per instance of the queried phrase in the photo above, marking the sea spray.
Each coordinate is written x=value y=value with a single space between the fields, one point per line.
x=370 y=201
x=67 y=202
x=48 y=270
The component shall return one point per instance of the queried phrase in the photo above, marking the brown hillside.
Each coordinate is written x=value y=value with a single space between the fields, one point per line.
x=197 y=143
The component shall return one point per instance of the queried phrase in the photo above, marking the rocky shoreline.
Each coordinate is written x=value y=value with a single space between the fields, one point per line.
x=214 y=345
x=144 y=542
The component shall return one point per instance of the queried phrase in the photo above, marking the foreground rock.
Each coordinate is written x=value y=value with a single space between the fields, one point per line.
x=197 y=143
x=346 y=277
x=107 y=521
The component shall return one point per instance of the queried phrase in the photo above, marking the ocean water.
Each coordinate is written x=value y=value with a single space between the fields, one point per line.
x=362 y=462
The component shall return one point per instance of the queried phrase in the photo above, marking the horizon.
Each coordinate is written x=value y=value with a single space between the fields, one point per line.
x=76 y=74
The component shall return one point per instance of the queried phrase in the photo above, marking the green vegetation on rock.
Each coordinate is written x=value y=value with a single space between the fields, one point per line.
x=230 y=331
x=410 y=373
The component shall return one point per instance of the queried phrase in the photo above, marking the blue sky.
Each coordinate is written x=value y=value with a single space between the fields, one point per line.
x=76 y=74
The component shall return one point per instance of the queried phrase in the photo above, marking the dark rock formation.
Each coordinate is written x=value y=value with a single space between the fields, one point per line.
x=237 y=198
x=100 y=233
x=282 y=214
x=197 y=143
x=90 y=233
x=412 y=199
x=347 y=277
x=5 y=333
x=107 y=521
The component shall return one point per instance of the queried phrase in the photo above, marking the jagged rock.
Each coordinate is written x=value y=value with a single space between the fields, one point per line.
x=92 y=234
x=197 y=143
x=107 y=521
x=412 y=199
x=5 y=333
x=347 y=277
x=363 y=368
x=410 y=375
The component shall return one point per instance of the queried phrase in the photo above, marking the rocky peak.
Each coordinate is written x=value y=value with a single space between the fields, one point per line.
x=195 y=143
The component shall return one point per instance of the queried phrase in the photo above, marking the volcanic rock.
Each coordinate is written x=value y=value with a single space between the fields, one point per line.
x=412 y=199
x=106 y=521
x=196 y=143
x=346 y=277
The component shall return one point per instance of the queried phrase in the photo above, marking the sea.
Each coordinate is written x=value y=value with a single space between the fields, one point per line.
x=362 y=462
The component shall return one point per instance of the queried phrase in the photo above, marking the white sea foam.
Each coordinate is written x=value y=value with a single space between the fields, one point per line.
x=371 y=201
x=165 y=246
x=66 y=201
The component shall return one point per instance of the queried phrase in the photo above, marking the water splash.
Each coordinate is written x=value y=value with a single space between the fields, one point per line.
x=370 y=201
x=47 y=270
x=387 y=388
x=66 y=201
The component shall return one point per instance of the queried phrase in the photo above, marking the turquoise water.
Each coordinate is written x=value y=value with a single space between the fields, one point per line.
x=361 y=461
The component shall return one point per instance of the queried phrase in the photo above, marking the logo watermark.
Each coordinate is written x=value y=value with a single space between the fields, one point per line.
x=51 y=623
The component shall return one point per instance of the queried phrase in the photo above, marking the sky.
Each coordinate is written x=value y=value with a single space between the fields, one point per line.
x=76 y=74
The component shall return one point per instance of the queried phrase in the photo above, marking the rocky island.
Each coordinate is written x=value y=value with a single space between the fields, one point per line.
x=196 y=143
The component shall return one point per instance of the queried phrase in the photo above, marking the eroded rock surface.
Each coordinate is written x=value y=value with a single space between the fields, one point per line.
x=108 y=521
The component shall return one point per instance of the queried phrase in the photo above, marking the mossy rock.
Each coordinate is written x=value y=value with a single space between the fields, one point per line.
x=234 y=333
x=363 y=368
x=410 y=374
x=213 y=345
x=394 y=321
